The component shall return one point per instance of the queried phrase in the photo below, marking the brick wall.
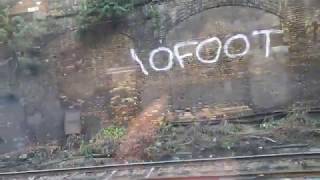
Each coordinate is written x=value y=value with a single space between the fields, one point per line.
x=176 y=11
x=82 y=69
x=27 y=6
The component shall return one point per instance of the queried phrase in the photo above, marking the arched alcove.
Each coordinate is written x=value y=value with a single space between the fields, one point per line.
x=176 y=12
x=230 y=81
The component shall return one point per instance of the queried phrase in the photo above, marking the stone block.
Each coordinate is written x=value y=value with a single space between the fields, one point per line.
x=72 y=123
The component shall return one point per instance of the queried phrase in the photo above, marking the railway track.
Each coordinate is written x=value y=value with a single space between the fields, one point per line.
x=246 y=119
x=256 y=175
x=230 y=167
x=305 y=164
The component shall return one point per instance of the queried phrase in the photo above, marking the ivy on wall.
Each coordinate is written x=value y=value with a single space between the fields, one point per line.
x=95 y=11
x=153 y=13
x=5 y=25
x=19 y=36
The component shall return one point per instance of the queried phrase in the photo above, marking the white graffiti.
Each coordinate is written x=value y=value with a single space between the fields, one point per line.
x=180 y=58
x=135 y=57
x=233 y=38
x=200 y=46
x=170 y=60
x=177 y=52
x=267 y=33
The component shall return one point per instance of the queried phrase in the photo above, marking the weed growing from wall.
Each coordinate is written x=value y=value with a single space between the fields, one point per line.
x=20 y=35
x=96 y=11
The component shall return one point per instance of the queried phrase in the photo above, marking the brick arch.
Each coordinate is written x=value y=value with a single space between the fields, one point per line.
x=177 y=11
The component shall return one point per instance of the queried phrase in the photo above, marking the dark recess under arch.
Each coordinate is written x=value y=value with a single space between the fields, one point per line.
x=185 y=10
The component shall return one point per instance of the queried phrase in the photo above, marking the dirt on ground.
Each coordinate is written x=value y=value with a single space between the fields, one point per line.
x=152 y=138
x=142 y=131
x=297 y=132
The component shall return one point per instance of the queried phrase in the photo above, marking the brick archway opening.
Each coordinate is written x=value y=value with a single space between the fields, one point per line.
x=177 y=13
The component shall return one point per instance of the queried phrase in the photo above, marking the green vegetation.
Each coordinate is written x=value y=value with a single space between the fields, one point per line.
x=25 y=33
x=227 y=144
x=154 y=15
x=112 y=132
x=193 y=140
x=17 y=33
x=20 y=35
x=229 y=128
x=105 y=142
x=5 y=25
x=29 y=66
x=95 y=11
x=269 y=123
x=86 y=150
x=294 y=119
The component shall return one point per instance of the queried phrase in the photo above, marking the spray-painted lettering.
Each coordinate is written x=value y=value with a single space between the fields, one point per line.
x=180 y=58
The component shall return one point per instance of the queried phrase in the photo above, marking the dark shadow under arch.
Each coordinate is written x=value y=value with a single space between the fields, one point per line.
x=184 y=12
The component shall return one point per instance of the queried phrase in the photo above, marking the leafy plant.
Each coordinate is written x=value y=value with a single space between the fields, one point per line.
x=94 y=11
x=86 y=150
x=24 y=33
x=154 y=14
x=5 y=26
x=229 y=128
x=29 y=66
x=227 y=145
x=296 y=117
x=106 y=142
x=19 y=36
x=16 y=31
x=269 y=123
x=112 y=132
x=3 y=35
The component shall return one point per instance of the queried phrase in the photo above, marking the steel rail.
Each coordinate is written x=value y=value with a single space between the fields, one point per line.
x=156 y=164
x=253 y=175
x=237 y=120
